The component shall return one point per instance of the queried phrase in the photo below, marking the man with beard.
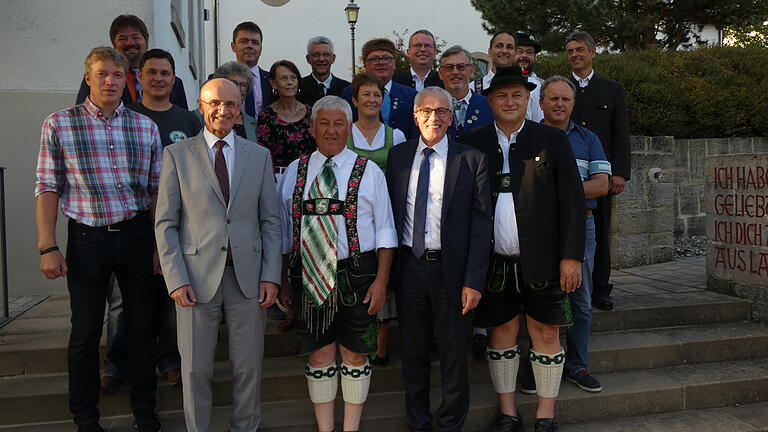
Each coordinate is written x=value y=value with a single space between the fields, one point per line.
x=320 y=82
x=129 y=35
x=525 y=56
x=421 y=54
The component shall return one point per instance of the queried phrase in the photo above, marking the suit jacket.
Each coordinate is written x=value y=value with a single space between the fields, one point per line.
x=478 y=114
x=466 y=222
x=400 y=112
x=550 y=208
x=193 y=227
x=602 y=108
x=267 y=97
x=309 y=90
x=406 y=79
x=178 y=96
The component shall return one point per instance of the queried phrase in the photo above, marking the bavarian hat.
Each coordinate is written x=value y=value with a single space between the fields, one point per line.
x=510 y=75
x=527 y=40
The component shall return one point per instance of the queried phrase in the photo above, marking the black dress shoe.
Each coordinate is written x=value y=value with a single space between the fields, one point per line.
x=90 y=428
x=479 y=346
x=377 y=360
x=545 y=425
x=148 y=424
x=603 y=303
x=507 y=423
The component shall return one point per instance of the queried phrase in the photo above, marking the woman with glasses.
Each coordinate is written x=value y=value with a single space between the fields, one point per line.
x=373 y=139
x=241 y=76
x=283 y=126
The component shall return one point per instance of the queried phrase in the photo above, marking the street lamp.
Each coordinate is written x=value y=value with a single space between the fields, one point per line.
x=352 y=11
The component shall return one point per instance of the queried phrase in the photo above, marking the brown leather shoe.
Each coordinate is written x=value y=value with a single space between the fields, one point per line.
x=111 y=384
x=173 y=377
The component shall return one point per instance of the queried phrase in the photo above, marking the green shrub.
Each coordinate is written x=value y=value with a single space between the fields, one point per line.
x=704 y=93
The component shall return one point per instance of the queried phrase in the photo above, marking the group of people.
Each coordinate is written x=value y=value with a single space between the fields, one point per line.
x=427 y=196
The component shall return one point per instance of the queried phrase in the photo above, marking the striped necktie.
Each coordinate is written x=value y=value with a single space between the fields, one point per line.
x=319 y=234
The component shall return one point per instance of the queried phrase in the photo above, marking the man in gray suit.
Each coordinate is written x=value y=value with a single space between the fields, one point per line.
x=218 y=236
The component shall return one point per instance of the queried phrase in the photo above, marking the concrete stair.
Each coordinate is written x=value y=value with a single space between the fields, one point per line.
x=667 y=361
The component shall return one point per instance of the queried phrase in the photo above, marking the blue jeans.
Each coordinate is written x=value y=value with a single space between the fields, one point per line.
x=577 y=337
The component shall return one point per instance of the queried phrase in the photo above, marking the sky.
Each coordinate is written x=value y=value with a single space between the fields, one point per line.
x=287 y=28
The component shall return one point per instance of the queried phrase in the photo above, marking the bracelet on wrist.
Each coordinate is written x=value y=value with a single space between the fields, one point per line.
x=50 y=249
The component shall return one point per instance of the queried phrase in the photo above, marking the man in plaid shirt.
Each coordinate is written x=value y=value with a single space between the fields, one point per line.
x=101 y=162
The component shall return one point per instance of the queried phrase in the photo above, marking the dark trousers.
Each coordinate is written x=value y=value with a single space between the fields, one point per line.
x=92 y=257
x=424 y=306
x=601 y=274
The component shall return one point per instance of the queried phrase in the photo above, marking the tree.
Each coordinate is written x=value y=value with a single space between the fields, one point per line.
x=618 y=24
x=751 y=34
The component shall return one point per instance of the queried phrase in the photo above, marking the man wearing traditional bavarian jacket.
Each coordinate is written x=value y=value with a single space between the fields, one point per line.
x=538 y=246
x=339 y=240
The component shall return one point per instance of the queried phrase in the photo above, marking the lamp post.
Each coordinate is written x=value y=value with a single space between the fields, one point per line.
x=352 y=11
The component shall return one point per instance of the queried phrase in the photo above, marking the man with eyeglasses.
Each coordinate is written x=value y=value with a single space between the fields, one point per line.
x=441 y=204
x=470 y=110
x=320 y=82
x=538 y=246
x=525 y=57
x=218 y=235
x=397 y=103
x=421 y=55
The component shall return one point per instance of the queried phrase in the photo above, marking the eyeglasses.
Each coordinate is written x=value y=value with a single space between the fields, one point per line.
x=229 y=105
x=242 y=84
x=420 y=46
x=521 y=51
x=321 y=55
x=383 y=59
x=461 y=67
x=427 y=112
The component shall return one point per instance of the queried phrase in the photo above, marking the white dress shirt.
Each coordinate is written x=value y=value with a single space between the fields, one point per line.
x=258 y=98
x=583 y=82
x=229 y=150
x=487 y=79
x=375 y=224
x=360 y=141
x=437 y=164
x=418 y=81
x=504 y=222
x=534 y=113
x=326 y=83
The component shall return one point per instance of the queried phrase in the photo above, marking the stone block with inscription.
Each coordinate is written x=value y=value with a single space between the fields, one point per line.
x=736 y=202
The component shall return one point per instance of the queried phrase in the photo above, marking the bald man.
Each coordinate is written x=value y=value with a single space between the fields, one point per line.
x=222 y=257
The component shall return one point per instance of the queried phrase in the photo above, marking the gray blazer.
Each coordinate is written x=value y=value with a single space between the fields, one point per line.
x=194 y=228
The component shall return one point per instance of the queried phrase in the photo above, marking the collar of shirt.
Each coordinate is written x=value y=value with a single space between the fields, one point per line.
x=441 y=148
x=583 y=82
x=503 y=138
x=416 y=76
x=465 y=98
x=256 y=70
x=326 y=83
x=211 y=139
x=95 y=111
x=343 y=157
x=388 y=86
x=487 y=79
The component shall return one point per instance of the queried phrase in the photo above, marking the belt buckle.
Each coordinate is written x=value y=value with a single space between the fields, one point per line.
x=431 y=255
x=112 y=228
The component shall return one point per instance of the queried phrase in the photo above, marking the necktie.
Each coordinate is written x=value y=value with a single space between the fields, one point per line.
x=460 y=111
x=220 y=167
x=321 y=89
x=131 y=83
x=420 y=207
x=319 y=234
x=386 y=106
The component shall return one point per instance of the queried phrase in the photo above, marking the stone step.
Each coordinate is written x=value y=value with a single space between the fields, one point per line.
x=37 y=341
x=683 y=391
x=283 y=378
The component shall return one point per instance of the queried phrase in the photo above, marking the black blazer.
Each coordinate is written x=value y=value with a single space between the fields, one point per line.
x=466 y=222
x=267 y=95
x=550 y=208
x=406 y=79
x=309 y=92
x=178 y=96
x=602 y=108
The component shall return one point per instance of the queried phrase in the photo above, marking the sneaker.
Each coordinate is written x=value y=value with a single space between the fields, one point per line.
x=585 y=381
x=479 y=345
x=507 y=423
x=545 y=425
x=527 y=385
x=275 y=313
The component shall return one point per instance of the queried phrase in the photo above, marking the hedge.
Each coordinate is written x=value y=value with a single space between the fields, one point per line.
x=704 y=93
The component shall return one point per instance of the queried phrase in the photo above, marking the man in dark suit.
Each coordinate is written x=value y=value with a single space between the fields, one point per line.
x=602 y=108
x=421 y=55
x=441 y=204
x=246 y=44
x=538 y=245
x=129 y=35
x=397 y=103
x=320 y=82
x=470 y=110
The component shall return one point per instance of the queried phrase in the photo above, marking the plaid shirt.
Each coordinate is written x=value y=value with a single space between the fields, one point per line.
x=104 y=170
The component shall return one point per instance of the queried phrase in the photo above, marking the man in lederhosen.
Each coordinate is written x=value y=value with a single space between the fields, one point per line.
x=339 y=239
x=538 y=245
